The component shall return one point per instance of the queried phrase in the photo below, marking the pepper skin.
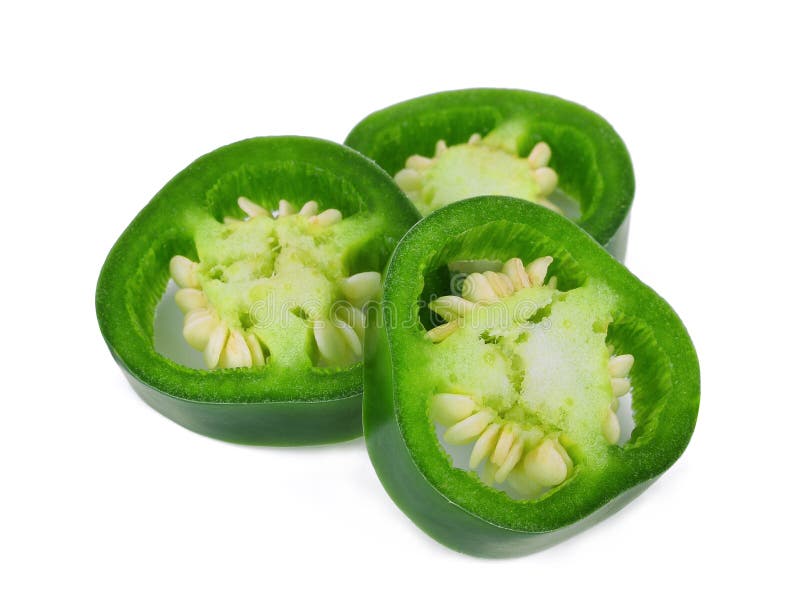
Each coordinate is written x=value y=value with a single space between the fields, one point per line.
x=273 y=403
x=591 y=161
x=452 y=504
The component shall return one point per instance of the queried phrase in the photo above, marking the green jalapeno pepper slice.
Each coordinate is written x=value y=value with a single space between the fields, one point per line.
x=276 y=245
x=508 y=348
x=458 y=144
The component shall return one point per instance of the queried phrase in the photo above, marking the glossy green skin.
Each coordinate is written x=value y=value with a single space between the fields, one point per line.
x=590 y=158
x=262 y=405
x=451 y=504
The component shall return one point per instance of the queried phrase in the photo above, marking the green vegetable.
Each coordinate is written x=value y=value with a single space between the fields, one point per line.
x=276 y=245
x=495 y=388
x=455 y=145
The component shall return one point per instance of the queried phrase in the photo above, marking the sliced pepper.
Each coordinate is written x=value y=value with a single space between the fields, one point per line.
x=459 y=144
x=520 y=384
x=277 y=245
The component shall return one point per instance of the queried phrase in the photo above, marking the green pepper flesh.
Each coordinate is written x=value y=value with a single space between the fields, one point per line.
x=452 y=504
x=589 y=157
x=281 y=402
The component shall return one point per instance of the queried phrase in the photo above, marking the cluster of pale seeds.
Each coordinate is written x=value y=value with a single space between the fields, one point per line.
x=619 y=369
x=340 y=339
x=487 y=287
x=527 y=458
x=411 y=179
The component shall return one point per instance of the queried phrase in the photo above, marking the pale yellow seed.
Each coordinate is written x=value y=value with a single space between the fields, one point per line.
x=537 y=270
x=512 y=458
x=620 y=386
x=477 y=288
x=215 y=345
x=184 y=272
x=451 y=307
x=448 y=409
x=327 y=217
x=547 y=180
x=418 y=163
x=198 y=326
x=567 y=460
x=441 y=332
x=484 y=445
x=611 y=427
x=188 y=299
x=615 y=404
x=532 y=436
x=353 y=317
x=197 y=313
x=361 y=287
x=545 y=465
x=469 y=429
x=520 y=482
x=553 y=283
x=500 y=282
x=351 y=340
x=515 y=271
x=621 y=365
x=507 y=438
x=309 y=209
x=251 y=208
x=540 y=155
x=475 y=138
x=408 y=180
x=441 y=147
x=255 y=349
x=285 y=208
x=331 y=345
x=236 y=353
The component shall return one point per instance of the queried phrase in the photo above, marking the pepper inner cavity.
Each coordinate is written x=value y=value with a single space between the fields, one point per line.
x=524 y=377
x=275 y=287
x=481 y=166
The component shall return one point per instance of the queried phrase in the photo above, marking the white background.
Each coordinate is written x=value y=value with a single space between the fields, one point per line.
x=101 y=104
